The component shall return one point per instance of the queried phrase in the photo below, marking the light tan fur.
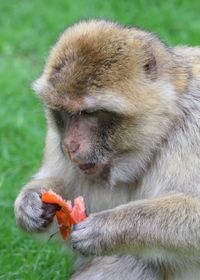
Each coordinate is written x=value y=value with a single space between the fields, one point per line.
x=146 y=213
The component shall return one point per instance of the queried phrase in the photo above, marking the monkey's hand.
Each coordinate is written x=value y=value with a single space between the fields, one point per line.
x=31 y=213
x=97 y=235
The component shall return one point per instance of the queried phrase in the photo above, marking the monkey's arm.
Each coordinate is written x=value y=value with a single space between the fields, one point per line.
x=169 y=222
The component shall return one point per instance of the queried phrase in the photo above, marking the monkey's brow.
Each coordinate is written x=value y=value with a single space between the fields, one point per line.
x=59 y=108
x=72 y=111
x=87 y=110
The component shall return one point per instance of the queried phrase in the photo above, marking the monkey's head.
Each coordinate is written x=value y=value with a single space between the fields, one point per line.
x=110 y=94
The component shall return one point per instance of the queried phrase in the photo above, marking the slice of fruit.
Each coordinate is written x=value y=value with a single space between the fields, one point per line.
x=67 y=215
x=78 y=211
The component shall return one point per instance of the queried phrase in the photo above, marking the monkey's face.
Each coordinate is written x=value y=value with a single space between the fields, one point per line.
x=87 y=138
x=109 y=95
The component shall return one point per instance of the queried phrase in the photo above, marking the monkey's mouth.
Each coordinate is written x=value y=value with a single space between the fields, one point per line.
x=90 y=168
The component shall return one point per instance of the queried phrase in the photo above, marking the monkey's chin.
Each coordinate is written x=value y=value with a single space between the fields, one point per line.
x=91 y=168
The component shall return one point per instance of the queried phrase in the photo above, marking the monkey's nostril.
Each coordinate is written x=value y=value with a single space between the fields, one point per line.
x=73 y=147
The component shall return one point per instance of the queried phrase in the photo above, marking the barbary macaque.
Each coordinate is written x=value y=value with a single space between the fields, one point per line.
x=123 y=117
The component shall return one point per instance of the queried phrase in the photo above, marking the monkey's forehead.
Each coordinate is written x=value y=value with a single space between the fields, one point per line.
x=93 y=54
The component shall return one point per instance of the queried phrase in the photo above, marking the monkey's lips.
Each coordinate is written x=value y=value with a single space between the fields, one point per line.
x=90 y=168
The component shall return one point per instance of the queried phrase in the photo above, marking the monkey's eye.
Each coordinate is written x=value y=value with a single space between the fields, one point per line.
x=59 y=117
x=89 y=112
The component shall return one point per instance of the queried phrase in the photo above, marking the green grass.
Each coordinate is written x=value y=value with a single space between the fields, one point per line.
x=27 y=30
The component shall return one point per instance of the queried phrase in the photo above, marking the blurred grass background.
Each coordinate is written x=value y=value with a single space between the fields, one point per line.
x=27 y=31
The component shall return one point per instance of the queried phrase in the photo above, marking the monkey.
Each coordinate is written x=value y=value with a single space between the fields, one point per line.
x=123 y=130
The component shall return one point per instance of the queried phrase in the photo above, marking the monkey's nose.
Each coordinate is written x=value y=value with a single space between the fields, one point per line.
x=72 y=148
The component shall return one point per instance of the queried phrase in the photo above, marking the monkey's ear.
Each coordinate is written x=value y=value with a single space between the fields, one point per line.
x=150 y=65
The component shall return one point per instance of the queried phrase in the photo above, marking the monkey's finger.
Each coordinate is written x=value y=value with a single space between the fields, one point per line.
x=50 y=207
x=79 y=226
x=47 y=222
x=84 y=224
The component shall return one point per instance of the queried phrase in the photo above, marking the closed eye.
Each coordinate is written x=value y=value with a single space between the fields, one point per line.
x=59 y=117
x=92 y=112
x=88 y=112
